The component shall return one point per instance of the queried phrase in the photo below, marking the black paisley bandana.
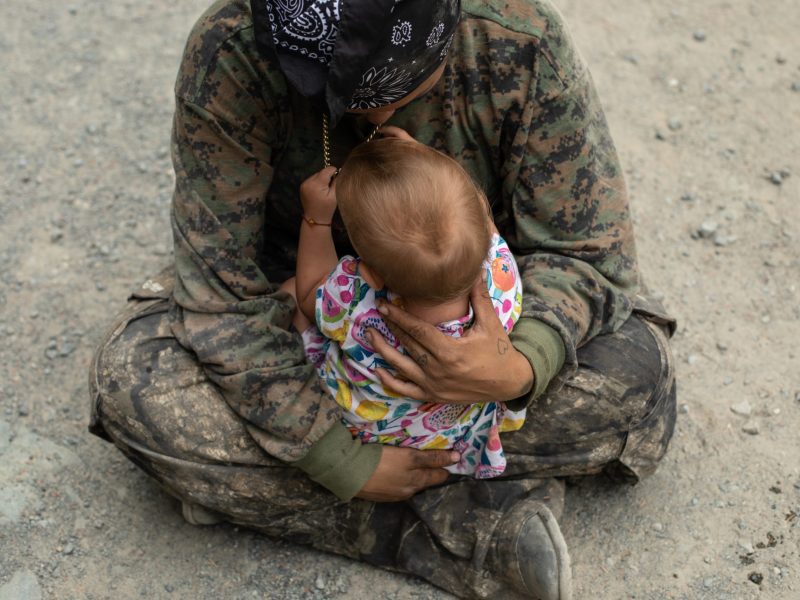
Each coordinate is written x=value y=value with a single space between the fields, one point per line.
x=356 y=54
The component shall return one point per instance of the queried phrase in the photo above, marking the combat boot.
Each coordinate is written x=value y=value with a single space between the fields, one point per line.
x=530 y=553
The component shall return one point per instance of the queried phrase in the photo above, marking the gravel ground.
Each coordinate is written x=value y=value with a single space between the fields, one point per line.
x=704 y=102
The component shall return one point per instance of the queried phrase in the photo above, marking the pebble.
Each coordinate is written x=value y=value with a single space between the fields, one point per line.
x=751 y=429
x=747 y=546
x=694 y=501
x=776 y=178
x=756 y=578
x=319 y=583
x=658 y=527
x=699 y=35
x=22 y=586
x=674 y=124
x=796 y=86
x=68 y=549
x=742 y=408
x=684 y=409
x=724 y=240
x=660 y=136
x=708 y=582
x=722 y=346
x=688 y=197
x=692 y=359
x=707 y=229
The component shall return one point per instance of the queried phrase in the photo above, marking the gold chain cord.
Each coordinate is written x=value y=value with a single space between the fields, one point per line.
x=326 y=140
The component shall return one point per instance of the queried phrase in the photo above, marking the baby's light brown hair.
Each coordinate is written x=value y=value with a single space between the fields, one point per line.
x=415 y=217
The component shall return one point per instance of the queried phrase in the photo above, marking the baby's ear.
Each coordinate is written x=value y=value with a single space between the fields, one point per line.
x=374 y=280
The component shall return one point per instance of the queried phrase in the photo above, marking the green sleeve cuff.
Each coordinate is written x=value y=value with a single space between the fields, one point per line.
x=544 y=349
x=340 y=463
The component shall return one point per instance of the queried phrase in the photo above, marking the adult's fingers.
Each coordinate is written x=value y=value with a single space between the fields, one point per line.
x=424 y=334
x=405 y=388
x=402 y=363
x=425 y=478
x=435 y=459
x=482 y=305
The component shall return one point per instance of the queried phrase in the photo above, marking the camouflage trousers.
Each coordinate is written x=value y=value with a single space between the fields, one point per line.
x=151 y=398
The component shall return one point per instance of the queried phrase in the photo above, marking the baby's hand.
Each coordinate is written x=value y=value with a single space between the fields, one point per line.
x=318 y=195
x=396 y=132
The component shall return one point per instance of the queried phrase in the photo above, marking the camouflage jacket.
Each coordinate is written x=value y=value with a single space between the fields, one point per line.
x=515 y=106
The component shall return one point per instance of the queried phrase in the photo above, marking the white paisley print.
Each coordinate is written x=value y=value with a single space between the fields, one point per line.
x=380 y=87
x=308 y=27
x=435 y=36
x=401 y=33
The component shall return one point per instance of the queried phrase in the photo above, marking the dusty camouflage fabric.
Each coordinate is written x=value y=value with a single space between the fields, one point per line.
x=208 y=391
x=515 y=106
x=153 y=399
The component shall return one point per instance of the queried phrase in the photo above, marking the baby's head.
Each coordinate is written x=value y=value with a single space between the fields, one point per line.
x=415 y=217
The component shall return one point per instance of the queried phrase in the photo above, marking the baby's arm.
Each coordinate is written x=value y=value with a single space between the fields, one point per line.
x=316 y=254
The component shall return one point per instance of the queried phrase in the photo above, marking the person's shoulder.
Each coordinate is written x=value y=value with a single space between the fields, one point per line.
x=532 y=18
x=530 y=23
x=221 y=44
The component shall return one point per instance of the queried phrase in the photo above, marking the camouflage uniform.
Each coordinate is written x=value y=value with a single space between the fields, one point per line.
x=202 y=383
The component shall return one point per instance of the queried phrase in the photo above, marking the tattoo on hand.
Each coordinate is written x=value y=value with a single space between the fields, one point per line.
x=502 y=346
x=422 y=360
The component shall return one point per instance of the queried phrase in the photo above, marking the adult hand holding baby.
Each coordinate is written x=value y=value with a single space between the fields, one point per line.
x=481 y=366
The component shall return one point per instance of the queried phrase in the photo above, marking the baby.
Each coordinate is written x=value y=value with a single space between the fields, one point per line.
x=424 y=237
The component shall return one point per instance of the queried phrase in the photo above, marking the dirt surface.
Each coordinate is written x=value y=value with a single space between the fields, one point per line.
x=704 y=102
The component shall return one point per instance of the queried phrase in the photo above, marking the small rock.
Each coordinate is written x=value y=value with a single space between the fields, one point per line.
x=727 y=380
x=660 y=136
x=168 y=588
x=796 y=86
x=91 y=129
x=319 y=583
x=747 y=546
x=141 y=167
x=56 y=236
x=776 y=178
x=780 y=59
x=692 y=359
x=658 y=527
x=723 y=240
x=750 y=429
x=69 y=548
x=694 y=501
x=631 y=58
x=699 y=35
x=674 y=124
x=708 y=583
x=684 y=409
x=742 y=408
x=78 y=162
x=722 y=346
x=688 y=197
x=707 y=229
x=756 y=577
